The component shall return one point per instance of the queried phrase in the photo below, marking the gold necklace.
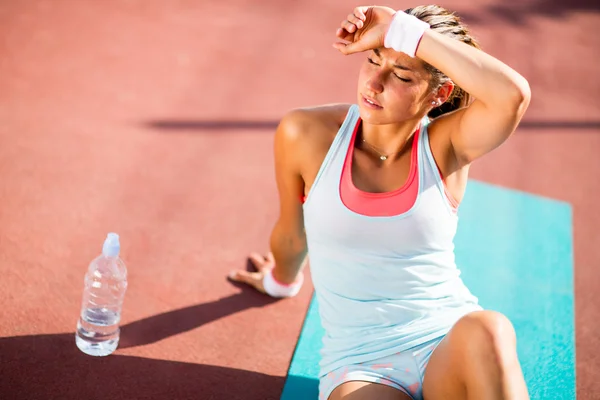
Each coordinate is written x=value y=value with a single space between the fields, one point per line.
x=383 y=156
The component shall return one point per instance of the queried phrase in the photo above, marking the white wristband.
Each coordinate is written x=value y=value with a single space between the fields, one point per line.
x=276 y=289
x=405 y=33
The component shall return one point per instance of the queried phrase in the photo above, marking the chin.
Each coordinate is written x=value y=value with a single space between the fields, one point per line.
x=380 y=117
x=373 y=117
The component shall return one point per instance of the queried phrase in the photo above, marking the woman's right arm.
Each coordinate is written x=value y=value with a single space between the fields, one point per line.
x=288 y=239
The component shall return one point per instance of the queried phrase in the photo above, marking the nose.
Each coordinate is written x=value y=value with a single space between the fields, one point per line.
x=375 y=83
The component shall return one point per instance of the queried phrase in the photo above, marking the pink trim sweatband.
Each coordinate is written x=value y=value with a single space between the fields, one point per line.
x=405 y=33
x=277 y=289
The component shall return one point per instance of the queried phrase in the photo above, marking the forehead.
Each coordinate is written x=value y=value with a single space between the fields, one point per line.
x=400 y=59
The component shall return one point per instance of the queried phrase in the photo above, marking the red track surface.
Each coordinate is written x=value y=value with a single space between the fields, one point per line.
x=155 y=120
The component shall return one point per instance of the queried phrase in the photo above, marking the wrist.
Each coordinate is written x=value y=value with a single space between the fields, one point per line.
x=282 y=278
x=276 y=288
x=404 y=33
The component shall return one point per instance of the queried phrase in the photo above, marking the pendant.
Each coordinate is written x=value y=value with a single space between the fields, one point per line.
x=383 y=158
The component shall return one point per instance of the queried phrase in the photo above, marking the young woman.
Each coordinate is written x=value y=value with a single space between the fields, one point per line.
x=371 y=191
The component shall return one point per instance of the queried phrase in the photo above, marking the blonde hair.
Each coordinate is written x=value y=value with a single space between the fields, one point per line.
x=449 y=24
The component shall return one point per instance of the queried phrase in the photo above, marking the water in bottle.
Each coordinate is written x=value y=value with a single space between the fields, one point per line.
x=105 y=284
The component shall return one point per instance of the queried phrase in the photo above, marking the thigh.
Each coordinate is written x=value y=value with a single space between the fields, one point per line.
x=357 y=390
x=441 y=379
x=475 y=350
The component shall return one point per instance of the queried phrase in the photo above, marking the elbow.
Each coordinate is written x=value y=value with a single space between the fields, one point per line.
x=511 y=99
x=520 y=97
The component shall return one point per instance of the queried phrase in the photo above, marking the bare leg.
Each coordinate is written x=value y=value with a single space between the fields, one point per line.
x=476 y=360
x=359 y=390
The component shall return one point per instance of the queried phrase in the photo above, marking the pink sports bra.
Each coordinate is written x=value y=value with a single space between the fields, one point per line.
x=391 y=203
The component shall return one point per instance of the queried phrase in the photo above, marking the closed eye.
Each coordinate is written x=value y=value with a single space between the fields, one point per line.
x=402 y=79
x=399 y=77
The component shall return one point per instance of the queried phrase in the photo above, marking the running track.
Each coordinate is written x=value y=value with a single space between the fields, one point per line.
x=155 y=120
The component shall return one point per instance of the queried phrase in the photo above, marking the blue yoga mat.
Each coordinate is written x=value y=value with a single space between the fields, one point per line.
x=516 y=254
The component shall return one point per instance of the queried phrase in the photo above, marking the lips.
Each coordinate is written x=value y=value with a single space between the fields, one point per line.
x=371 y=103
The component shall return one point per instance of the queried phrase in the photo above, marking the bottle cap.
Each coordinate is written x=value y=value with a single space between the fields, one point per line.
x=111 y=247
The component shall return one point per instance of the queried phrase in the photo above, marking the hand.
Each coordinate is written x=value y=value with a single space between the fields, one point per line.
x=255 y=279
x=365 y=29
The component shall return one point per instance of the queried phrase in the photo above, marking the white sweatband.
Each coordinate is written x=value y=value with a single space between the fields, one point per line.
x=276 y=289
x=405 y=33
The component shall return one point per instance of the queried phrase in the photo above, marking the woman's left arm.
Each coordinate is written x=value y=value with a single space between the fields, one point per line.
x=501 y=95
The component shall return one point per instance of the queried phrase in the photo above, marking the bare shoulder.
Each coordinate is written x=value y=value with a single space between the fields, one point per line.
x=312 y=123
x=304 y=137
x=308 y=132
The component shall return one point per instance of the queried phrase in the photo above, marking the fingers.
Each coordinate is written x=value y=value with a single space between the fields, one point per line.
x=364 y=29
x=270 y=258
x=350 y=48
x=344 y=35
x=258 y=261
x=359 y=12
x=354 y=21
x=253 y=279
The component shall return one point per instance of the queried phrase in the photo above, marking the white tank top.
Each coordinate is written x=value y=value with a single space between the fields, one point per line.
x=386 y=283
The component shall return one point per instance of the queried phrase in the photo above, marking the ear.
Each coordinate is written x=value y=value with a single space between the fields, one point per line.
x=444 y=92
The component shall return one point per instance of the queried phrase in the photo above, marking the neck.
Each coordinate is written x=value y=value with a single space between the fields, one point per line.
x=390 y=138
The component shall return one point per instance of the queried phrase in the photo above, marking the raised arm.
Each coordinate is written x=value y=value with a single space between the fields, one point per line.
x=501 y=94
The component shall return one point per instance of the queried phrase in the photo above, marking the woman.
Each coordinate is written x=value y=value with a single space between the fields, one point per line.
x=372 y=189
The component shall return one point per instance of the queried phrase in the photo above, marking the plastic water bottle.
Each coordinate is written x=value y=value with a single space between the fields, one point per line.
x=105 y=284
